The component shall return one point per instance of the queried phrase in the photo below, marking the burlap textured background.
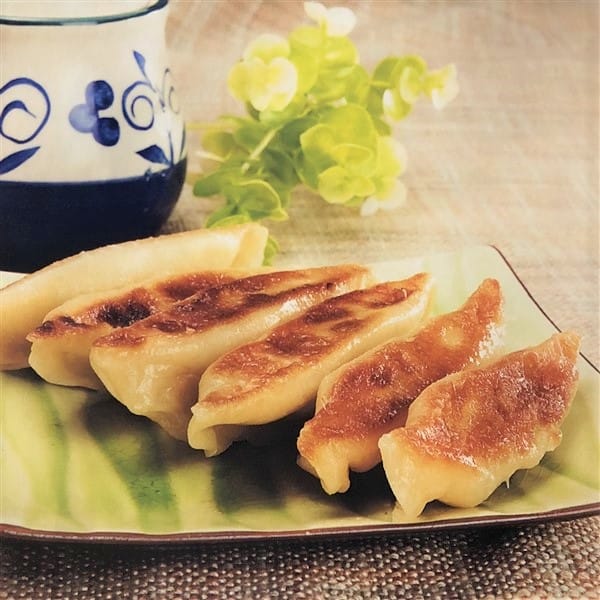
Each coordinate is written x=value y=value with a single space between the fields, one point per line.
x=551 y=560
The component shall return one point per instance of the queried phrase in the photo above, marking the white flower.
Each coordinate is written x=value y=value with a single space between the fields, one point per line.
x=267 y=47
x=399 y=152
x=337 y=21
x=265 y=77
x=372 y=205
x=446 y=87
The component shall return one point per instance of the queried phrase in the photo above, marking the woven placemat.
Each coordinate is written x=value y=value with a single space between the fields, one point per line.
x=550 y=560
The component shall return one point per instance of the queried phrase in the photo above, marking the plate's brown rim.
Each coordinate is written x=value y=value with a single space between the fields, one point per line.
x=337 y=532
x=536 y=303
x=17 y=532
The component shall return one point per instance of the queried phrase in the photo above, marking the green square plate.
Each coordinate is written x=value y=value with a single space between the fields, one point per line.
x=76 y=465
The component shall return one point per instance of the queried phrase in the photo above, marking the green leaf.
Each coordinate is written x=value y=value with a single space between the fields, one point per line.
x=277 y=118
x=413 y=62
x=214 y=182
x=338 y=186
x=352 y=124
x=250 y=134
x=411 y=85
x=289 y=134
x=382 y=126
x=227 y=221
x=339 y=52
x=390 y=157
x=271 y=250
x=218 y=142
x=394 y=106
x=345 y=137
x=383 y=73
x=374 y=103
x=311 y=38
x=397 y=83
x=354 y=157
x=332 y=85
x=307 y=62
x=306 y=170
x=317 y=144
x=280 y=165
x=347 y=84
x=258 y=199
x=283 y=190
x=358 y=88
x=390 y=164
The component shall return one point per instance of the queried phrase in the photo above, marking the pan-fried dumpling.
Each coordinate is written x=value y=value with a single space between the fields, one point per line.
x=278 y=375
x=469 y=432
x=60 y=349
x=153 y=366
x=369 y=396
x=25 y=303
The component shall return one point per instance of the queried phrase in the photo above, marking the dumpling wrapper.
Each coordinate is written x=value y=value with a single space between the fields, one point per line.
x=370 y=396
x=25 y=303
x=153 y=366
x=60 y=346
x=278 y=375
x=469 y=432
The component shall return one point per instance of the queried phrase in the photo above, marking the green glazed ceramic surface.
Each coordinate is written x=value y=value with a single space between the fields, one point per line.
x=77 y=465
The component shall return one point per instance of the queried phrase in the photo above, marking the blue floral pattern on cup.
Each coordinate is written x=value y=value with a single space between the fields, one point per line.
x=96 y=115
x=27 y=89
x=142 y=92
x=86 y=117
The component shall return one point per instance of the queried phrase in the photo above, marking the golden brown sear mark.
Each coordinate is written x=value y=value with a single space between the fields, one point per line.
x=377 y=389
x=55 y=326
x=231 y=301
x=179 y=288
x=495 y=410
x=123 y=310
x=317 y=332
x=118 y=312
x=125 y=313
x=301 y=344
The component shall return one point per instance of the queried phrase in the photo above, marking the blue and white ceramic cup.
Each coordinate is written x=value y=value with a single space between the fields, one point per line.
x=92 y=140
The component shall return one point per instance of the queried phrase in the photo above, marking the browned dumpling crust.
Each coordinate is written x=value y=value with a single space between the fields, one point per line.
x=153 y=366
x=61 y=344
x=274 y=377
x=25 y=303
x=470 y=431
x=369 y=396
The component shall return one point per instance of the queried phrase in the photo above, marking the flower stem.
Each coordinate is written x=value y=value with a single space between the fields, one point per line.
x=266 y=140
